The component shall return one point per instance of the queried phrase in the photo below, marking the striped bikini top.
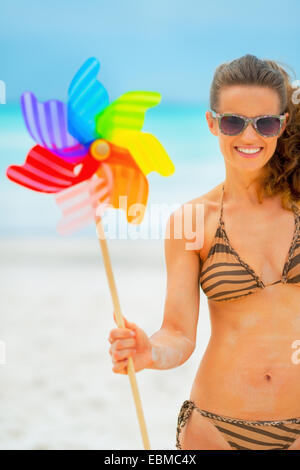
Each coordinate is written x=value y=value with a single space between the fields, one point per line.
x=225 y=276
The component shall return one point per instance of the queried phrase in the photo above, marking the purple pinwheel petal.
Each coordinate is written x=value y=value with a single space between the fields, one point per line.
x=73 y=154
x=47 y=123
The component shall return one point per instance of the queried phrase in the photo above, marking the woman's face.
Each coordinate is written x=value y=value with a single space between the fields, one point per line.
x=249 y=101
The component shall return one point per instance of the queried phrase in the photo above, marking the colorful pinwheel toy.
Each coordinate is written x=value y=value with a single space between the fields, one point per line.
x=91 y=153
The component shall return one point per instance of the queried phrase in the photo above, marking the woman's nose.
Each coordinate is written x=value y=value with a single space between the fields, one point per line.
x=249 y=132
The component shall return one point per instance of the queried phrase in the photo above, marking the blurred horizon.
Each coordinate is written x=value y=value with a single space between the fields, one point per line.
x=169 y=47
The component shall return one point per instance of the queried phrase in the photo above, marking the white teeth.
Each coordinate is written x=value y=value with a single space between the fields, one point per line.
x=245 y=150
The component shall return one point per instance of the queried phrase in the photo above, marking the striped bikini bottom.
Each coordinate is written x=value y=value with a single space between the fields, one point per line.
x=245 y=435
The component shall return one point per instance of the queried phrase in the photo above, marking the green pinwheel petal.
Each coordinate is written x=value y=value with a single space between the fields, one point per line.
x=126 y=113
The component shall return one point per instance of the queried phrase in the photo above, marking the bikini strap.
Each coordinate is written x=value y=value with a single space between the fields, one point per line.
x=221 y=211
x=295 y=209
x=297 y=218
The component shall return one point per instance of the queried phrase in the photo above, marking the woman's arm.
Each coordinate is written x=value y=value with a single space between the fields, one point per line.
x=174 y=343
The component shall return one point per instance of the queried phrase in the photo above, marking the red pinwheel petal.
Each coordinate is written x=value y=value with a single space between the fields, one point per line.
x=45 y=172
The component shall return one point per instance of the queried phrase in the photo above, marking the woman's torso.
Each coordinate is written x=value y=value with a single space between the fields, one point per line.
x=249 y=369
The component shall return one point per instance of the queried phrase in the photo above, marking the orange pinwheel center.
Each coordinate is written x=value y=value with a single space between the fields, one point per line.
x=100 y=149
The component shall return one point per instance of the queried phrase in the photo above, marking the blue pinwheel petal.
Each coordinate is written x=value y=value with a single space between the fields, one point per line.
x=87 y=97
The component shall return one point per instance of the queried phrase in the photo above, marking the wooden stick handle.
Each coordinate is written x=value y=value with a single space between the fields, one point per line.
x=121 y=324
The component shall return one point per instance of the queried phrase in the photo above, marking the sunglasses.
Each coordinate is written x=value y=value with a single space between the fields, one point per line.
x=234 y=124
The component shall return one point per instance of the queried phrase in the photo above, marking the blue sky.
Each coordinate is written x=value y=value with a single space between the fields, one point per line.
x=169 y=46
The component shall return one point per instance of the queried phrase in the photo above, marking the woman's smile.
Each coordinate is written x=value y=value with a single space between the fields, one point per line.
x=248 y=152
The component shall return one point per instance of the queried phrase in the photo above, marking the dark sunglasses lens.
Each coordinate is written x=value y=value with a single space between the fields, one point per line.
x=231 y=125
x=268 y=126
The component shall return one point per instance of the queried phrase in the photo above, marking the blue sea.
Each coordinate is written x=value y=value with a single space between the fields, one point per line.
x=181 y=128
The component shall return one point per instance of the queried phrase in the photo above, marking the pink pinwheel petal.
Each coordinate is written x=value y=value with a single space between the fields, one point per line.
x=82 y=203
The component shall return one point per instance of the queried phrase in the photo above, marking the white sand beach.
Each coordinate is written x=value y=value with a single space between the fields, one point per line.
x=57 y=387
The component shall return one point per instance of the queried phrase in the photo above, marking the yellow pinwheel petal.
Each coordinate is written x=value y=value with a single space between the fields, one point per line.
x=146 y=150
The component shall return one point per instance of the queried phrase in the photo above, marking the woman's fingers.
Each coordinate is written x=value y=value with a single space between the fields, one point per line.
x=120 y=367
x=121 y=345
x=127 y=323
x=118 y=333
x=122 y=353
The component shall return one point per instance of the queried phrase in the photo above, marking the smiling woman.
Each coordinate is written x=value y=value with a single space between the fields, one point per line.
x=246 y=390
x=268 y=84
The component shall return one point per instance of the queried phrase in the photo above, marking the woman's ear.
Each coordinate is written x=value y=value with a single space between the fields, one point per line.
x=284 y=124
x=212 y=123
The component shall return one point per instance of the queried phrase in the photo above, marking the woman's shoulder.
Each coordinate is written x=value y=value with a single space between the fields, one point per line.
x=196 y=218
x=210 y=201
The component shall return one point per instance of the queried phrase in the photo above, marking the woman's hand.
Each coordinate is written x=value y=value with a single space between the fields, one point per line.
x=124 y=344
